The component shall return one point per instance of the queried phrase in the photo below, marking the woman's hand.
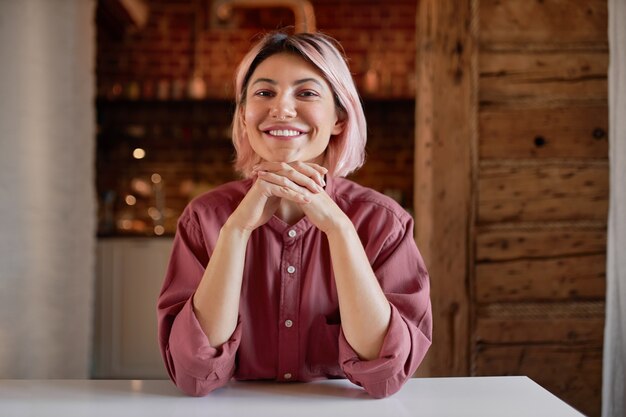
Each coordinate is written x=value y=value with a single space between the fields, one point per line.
x=308 y=179
x=282 y=181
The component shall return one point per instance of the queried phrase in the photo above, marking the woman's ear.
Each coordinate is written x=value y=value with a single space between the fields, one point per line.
x=242 y=115
x=339 y=126
x=340 y=123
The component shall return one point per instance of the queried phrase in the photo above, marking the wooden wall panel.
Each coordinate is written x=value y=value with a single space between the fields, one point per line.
x=587 y=330
x=567 y=278
x=562 y=21
x=539 y=242
x=574 y=372
x=541 y=195
x=540 y=192
x=548 y=76
x=540 y=310
x=543 y=132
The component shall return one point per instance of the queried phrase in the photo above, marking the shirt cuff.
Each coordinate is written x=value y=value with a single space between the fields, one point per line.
x=192 y=352
x=384 y=375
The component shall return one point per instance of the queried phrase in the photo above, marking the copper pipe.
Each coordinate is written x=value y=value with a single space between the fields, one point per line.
x=302 y=10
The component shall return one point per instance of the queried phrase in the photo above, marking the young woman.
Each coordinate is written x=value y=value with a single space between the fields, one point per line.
x=295 y=273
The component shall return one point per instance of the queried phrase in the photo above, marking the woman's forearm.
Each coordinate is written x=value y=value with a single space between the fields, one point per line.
x=216 y=300
x=365 y=311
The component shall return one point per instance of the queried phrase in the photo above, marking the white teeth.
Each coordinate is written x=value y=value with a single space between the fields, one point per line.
x=284 y=132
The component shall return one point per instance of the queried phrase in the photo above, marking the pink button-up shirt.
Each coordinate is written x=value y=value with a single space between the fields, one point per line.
x=289 y=326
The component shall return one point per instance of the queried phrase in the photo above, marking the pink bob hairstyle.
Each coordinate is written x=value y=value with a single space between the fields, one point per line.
x=346 y=151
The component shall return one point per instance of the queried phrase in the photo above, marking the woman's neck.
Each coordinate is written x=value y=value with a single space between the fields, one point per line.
x=289 y=212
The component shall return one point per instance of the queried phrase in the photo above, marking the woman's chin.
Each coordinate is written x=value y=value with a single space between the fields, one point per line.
x=294 y=158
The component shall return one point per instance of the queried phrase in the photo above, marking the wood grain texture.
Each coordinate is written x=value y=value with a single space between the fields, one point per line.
x=445 y=119
x=568 y=278
x=538 y=242
x=538 y=272
x=542 y=76
x=587 y=331
x=573 y=373
x=541 y=310
x=543 y=192
x=543 y=132
x=551 y=21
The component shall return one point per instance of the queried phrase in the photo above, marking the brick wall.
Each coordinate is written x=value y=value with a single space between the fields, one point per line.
x=143 y=99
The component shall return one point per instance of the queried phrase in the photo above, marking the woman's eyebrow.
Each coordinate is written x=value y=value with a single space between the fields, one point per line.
x=297 y=82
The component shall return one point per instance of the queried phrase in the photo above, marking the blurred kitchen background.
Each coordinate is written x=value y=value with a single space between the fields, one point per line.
x=487 y=120
x=165 y=98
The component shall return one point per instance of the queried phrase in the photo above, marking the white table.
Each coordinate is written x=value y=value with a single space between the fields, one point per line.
x=446 y=397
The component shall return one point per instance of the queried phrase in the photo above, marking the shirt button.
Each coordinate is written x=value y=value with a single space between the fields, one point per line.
x=287 y=375
x=292 y=233
x=291 y=269
x=288 y=323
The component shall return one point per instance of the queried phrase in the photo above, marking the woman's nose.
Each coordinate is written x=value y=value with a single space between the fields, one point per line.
x=283 y=108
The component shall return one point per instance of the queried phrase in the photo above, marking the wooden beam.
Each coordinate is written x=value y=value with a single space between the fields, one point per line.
x=541 y=191
x=567 y=278
x=543 y=77
x=562 y=22
x=517 y=241
x=543 y=132
x=446 y=118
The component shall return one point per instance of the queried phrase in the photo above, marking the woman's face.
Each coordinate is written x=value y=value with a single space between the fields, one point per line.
x=290 y=112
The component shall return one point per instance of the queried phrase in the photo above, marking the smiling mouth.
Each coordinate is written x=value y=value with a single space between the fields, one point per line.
x=284 y=134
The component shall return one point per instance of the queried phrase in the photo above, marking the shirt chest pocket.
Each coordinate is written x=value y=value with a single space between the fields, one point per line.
x=323 y=349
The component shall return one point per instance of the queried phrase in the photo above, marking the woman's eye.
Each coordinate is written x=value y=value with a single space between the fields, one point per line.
x=308 y=93
x=263 y=93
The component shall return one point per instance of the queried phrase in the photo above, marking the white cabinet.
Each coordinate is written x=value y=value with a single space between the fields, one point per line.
x=130 y=272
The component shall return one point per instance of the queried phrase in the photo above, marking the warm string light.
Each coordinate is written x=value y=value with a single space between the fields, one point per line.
x=139 y=153
x=130 y=200
x=142 y=187
x=156 y=213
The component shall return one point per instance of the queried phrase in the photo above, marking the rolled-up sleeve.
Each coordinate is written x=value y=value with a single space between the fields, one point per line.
x=402 y=275
x=193 y=364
